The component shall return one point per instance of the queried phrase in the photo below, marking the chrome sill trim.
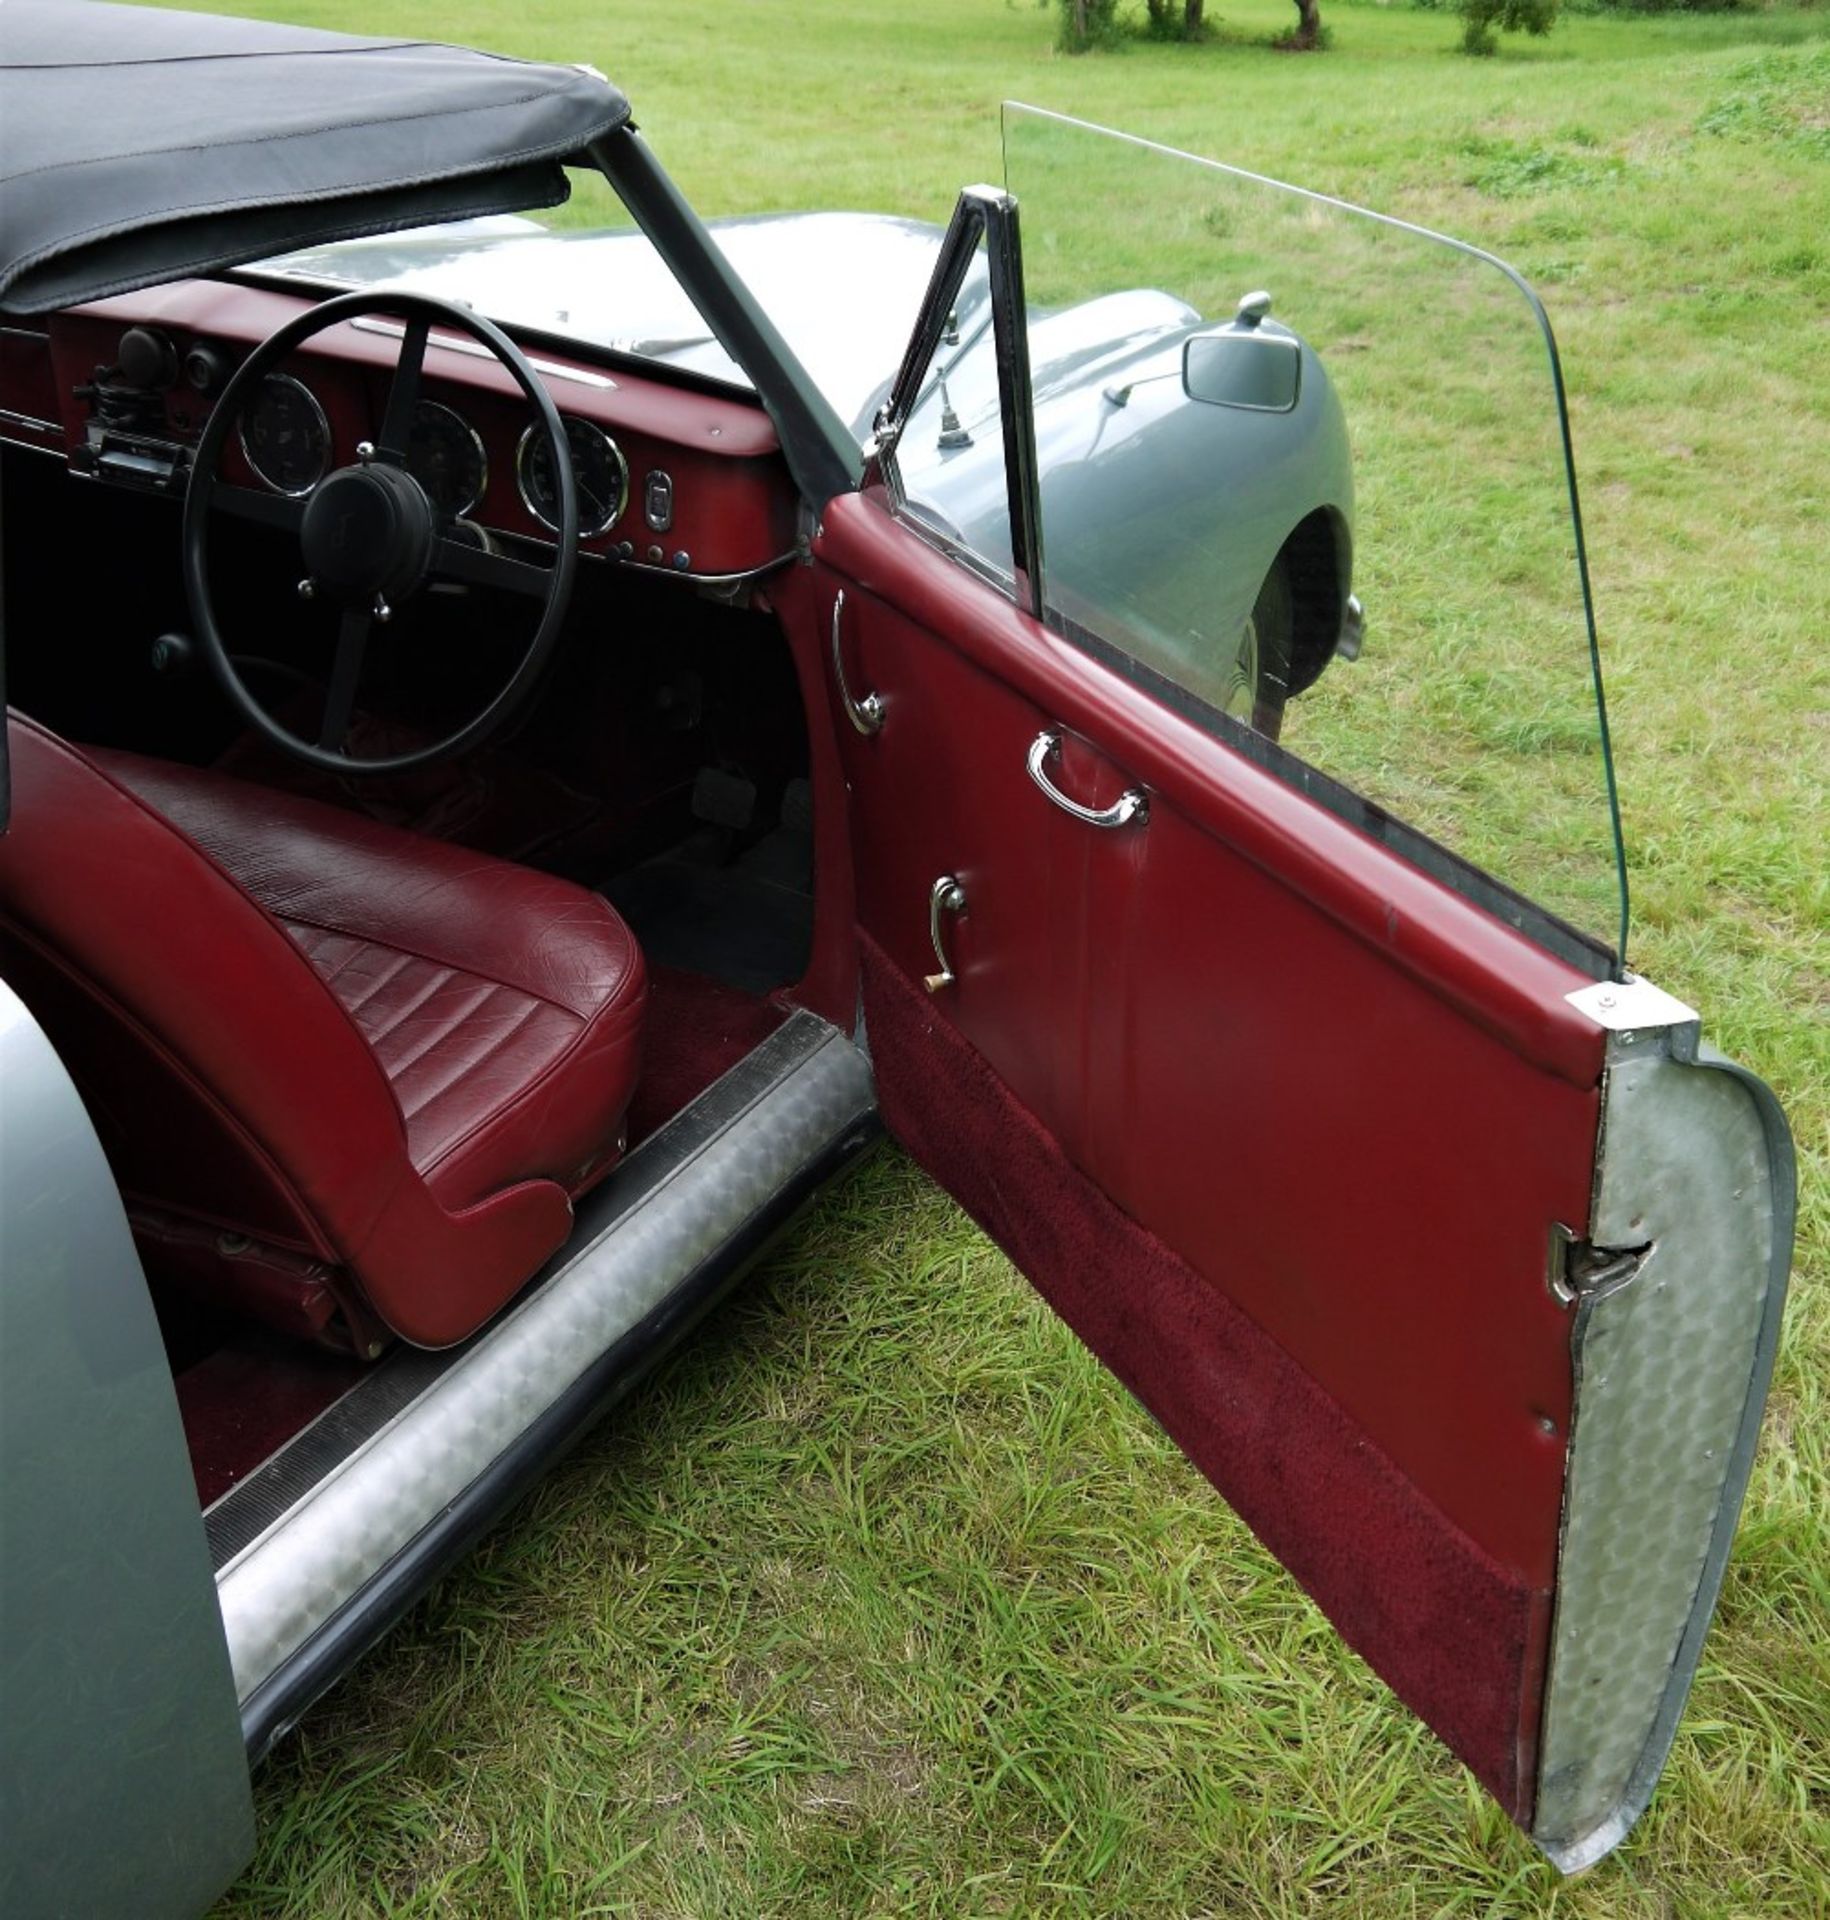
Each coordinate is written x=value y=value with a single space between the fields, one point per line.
x=667 y=1219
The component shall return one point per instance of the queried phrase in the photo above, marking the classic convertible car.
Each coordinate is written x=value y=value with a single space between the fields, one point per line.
x=524 y=758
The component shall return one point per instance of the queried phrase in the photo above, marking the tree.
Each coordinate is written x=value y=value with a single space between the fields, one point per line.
x=1481 y=17
x=1176 y=19
x=1308 y=35
x=1086 y=23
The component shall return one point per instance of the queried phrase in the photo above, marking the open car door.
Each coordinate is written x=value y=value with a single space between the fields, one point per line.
x=1304 y=1075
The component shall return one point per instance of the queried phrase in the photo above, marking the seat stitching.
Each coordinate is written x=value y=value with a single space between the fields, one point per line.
x=442 y=978
x=616 y=925
x=373 y=987
x=440 y=1035
x=501 y=1040
x=317 y=945
x=611 y=1022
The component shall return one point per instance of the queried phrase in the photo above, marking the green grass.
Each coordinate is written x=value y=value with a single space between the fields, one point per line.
x=883 y=1597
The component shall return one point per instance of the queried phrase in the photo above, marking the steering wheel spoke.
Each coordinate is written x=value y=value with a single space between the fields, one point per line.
x=346 y=671
x=280 y=510
x=461 y=560
x=403 y=394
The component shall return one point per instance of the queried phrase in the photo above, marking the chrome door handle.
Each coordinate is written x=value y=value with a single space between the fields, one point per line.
x=945 y=896
x=1132 y=804
x=866 y=714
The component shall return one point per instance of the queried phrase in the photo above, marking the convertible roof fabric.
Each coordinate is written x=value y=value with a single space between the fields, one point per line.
x=140 y=145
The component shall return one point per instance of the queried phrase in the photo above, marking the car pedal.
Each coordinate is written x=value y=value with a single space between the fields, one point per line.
x=724 y=799
x=797 y=806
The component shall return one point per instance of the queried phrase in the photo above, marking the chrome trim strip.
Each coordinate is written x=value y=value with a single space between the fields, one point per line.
x=716 y=582
x=30 y=422
x=50 y=453
x=450 y=343
x=291 y=1581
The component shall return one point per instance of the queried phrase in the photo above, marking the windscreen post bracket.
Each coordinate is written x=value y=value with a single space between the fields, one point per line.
x=988 y=214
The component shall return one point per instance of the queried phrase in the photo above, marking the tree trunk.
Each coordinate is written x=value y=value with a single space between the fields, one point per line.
x=1308 y=34
x=1191 y=18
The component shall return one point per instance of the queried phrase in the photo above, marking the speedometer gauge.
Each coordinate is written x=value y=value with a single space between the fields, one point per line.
x=285 y=436
x=445 y=455
x=598 y=467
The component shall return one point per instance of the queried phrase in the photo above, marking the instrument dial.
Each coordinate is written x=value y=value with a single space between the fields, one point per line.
x=445 y=455
x=285 y=436
x=598 y=468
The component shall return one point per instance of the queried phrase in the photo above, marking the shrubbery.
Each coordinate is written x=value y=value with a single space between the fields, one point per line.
x=1093 y=23
x=1086 y=23
x=1482 y=18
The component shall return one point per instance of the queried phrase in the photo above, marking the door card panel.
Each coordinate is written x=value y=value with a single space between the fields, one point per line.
x=1371 y=1174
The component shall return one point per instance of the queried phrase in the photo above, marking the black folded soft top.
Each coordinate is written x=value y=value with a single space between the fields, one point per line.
x=140 y=145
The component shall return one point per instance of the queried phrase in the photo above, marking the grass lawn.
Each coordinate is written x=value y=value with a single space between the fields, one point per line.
x=883 y=1597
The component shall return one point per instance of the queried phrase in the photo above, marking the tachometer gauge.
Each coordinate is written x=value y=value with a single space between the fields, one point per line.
x=445 y=455
x=285 y=435
x=598 y=467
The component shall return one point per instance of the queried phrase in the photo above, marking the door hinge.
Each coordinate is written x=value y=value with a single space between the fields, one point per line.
x=1580 y=1270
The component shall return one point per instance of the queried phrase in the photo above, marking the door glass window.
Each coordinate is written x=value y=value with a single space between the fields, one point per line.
x=1258 y=411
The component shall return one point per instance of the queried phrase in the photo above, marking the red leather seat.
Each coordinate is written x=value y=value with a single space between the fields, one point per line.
x=341 y=1071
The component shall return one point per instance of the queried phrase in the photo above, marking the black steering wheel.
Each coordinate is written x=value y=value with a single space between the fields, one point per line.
x=369 y=537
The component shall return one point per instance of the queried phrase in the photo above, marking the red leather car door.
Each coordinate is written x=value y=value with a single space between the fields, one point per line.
x=1452 y=1263
x=1238 y=1089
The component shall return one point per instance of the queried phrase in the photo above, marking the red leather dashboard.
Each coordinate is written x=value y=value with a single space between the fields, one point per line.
x=732 y=502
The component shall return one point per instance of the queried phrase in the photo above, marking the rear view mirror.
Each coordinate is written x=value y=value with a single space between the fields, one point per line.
x=1242 y=367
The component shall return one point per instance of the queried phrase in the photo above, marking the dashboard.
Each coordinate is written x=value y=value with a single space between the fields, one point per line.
x=671 y=478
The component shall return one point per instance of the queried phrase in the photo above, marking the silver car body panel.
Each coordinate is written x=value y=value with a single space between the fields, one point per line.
x=813 y=1087
x=125 y=1788
x=1125 y=482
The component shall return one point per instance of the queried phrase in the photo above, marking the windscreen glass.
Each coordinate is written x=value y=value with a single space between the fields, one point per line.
x=1309 y=466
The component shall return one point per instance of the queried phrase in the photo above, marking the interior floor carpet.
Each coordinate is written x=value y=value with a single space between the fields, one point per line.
x=696 y=1030
x=747 y=922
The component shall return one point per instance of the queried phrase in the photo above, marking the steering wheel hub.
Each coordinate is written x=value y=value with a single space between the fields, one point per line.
x=368 y=533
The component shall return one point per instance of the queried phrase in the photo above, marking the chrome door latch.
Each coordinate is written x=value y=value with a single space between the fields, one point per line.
x=945 y=896
x=1579 y=1270
x=866 y=714
x=1131 y=805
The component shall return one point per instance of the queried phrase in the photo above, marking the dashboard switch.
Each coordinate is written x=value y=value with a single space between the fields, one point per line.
x=658 y=501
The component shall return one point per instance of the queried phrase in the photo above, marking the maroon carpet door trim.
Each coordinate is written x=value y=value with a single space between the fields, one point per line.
x=1455 y=1636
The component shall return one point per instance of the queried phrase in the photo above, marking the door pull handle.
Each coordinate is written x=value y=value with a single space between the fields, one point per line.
x=866 y=714
x=945 y=896
x=1131 y=805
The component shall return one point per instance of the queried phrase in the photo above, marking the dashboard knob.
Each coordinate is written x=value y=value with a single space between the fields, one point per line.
x=173 y=655
x=147 y=360
x=205 y=368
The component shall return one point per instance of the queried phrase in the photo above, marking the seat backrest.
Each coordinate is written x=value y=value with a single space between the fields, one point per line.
x=222 y=1075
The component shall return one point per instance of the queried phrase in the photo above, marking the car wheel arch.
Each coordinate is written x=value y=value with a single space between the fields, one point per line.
x=1318 y=553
